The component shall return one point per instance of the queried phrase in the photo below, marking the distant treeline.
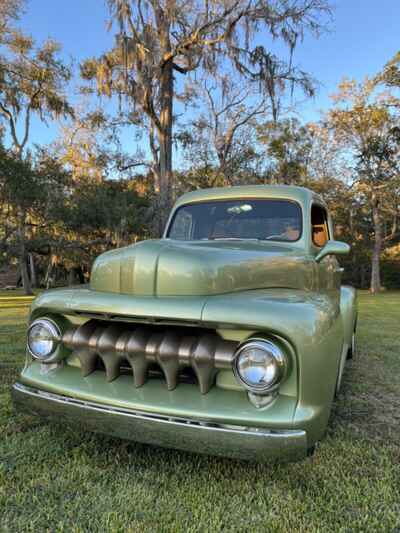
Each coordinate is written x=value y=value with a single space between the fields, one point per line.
x=197 y=99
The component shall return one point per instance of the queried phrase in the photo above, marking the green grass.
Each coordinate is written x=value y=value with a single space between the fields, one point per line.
x=58 y=479
x=16 y=292
x=16 y=298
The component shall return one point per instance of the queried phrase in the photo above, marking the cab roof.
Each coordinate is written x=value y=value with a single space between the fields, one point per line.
x=287 y=192
x=303 y=196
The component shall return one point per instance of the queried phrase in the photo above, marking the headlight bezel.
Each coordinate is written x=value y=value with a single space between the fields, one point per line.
x=280 y=359
x=55 y=332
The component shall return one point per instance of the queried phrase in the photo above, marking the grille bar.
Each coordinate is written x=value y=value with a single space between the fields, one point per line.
x=171 y=349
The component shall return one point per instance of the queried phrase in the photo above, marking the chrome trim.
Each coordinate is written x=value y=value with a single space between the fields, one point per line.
x=200 y=436
x=148 y=320
x=280 y=358
x=172 y=349
x=56 y=338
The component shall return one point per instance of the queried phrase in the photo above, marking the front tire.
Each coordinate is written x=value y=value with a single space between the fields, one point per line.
x=340 y=376
x=351 y=352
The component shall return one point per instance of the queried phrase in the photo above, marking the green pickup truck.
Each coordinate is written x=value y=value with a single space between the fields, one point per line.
x=228 y=336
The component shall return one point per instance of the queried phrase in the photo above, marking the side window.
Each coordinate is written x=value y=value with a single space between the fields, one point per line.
x=319 y=223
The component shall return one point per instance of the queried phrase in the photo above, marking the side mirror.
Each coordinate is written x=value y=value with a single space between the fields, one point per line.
x=333 y=248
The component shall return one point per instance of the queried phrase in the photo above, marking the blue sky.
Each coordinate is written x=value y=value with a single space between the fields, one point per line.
x=363 y=35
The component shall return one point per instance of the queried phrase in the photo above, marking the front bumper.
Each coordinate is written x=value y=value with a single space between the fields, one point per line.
x=252 y=443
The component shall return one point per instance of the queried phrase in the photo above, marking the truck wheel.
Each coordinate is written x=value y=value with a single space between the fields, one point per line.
x=311 y=450
x=339 y=379
x=353 y=346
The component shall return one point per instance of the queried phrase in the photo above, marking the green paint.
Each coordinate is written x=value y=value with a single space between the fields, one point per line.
x=288 y=292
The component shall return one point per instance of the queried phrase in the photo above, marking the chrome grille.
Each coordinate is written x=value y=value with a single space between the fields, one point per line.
x=173 y=349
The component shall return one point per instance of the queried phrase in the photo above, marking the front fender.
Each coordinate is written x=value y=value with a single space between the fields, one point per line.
x=311 y=323
x=348 y=311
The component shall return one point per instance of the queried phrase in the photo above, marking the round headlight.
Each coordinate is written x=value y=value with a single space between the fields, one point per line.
x=43 y=339
x=260 y=366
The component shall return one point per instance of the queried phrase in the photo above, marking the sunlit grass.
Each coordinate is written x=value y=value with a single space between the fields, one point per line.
x=58 y=479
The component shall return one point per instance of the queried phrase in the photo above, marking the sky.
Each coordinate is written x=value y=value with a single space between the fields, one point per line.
x=362 y=36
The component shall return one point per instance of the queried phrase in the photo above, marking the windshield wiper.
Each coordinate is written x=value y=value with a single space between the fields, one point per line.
x=234 y=239
x=272 y=237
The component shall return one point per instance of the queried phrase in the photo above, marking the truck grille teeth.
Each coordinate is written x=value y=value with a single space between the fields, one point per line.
x=142 y=346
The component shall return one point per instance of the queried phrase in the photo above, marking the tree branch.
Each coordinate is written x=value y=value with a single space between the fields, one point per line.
x=7 y=113
x=134 y=165
x=393 y=232
x=196 y=35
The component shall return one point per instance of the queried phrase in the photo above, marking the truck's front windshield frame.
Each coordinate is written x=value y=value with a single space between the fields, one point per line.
x=239 y=206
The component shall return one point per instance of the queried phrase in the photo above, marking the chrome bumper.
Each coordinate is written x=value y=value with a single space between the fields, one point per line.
x=240 y=442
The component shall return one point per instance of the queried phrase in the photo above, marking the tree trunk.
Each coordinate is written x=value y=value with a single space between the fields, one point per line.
x=362 y=277
x=32 y=270
x=23 y=263
x=71 y=276
x=376 y=253
x=79 y=273
x=222 y=170
x=164 y=135
x=48 y=278
x=24 y=273
x=164 y=126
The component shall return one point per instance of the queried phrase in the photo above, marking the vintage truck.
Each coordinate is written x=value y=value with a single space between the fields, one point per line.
x=227 y=336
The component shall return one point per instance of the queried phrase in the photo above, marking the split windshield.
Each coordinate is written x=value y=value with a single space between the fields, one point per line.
x=278 y=220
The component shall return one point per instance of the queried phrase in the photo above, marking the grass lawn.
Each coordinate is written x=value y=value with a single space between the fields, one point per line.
x=58 y=479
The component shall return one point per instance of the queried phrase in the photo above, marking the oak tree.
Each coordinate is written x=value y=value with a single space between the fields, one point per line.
x=363 y=122
x=158 y=40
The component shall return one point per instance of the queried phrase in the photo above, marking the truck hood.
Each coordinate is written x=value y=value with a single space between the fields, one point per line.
x=198 y=268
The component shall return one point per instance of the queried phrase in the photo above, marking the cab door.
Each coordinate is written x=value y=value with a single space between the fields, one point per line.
x=328 y=270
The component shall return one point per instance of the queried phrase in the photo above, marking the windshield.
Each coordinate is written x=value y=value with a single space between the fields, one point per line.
x=264 y=219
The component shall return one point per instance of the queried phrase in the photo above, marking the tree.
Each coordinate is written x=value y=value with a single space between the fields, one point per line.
x=9 y=13
x=67 y=221
x=26 y=196
x=390 y=75
x=368 y=130
x=32 y=81
x=157 y=41
x=224 y=133
x=289 y=146
x=89 y=146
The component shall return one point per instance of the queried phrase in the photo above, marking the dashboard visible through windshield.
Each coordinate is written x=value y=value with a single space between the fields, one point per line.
x=247 y=219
